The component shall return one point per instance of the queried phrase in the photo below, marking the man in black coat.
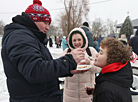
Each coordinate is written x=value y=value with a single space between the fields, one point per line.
x=32 y=74
x=89 y=35
x=50 y=42
x=134 y=43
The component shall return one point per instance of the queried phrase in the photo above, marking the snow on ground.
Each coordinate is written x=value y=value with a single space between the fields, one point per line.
x=4 y=96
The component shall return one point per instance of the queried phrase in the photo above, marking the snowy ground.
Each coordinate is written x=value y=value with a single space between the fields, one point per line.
x=56 y=52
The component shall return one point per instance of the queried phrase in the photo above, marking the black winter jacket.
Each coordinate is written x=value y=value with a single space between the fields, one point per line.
x=89 y=36
x=134 y=43
x=114 y=86
x=32 y=74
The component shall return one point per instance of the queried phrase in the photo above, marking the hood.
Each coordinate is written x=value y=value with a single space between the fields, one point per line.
x=81 y=31
x=122 y=77
x=23 y=22
x=85 y=28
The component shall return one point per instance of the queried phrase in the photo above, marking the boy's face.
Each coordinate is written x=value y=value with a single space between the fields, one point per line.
x=77 y=40
x=101 y=58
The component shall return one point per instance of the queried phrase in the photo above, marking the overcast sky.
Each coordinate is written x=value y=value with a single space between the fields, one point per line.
x=115 y=10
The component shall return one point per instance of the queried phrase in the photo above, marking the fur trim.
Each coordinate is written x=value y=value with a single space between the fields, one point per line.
x=84 y=36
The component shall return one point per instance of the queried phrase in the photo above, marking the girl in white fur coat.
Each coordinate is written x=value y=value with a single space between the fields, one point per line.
x=74 y=87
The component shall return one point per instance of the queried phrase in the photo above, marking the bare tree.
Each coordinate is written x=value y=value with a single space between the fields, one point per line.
x=1 y=27
x=110 y=25
x=73 y=15
x=98 y=27
x=103 y=28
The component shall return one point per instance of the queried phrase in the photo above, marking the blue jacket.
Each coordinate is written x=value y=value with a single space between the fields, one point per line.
x=64 y=43
x=100 y=39
x=32 y=74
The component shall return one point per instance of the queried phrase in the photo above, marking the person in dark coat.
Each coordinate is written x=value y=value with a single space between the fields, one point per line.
x=115 y=79
x=45 y=41
x=89 y=35
x=134 y=42
x=32 y=74
x=50 y=42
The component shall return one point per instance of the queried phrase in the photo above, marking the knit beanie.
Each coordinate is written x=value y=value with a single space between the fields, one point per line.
x=86 y=24
x=38 y=13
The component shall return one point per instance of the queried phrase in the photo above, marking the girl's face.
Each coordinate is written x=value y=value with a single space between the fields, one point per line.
x=101 y=58
x=77 y=40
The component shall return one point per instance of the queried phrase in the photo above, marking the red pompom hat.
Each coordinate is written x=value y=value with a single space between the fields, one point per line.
x=37 y=12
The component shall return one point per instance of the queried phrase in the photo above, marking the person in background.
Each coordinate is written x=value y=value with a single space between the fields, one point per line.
x=74 y=87
x=60 y=41
x=100 y=38
x=123 y=38
x=89 y=35
x=124 y=41
x=57 y=42
x=67 y=41
x=32 y=74
x=130 y=38
x=55 y=39
x=112 y=36
x=50 y=42
x=64 y=43
x=115 y=79
x=45 y=41
x=134 y=42
x=95 y=44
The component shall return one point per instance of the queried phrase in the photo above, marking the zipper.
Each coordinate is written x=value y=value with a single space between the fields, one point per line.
x=79 y=87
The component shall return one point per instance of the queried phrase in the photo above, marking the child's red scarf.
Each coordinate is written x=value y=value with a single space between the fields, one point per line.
x=113 y=67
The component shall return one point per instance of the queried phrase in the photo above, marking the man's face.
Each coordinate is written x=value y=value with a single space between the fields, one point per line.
x=43 y=26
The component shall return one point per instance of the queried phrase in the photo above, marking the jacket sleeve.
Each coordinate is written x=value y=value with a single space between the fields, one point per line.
x=90 y=39
x=24 y=52
x=94 y=68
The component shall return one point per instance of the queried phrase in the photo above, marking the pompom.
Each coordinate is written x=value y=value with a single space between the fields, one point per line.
x=37 y=2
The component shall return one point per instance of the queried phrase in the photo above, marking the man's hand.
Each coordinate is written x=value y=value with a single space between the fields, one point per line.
x=85 y=61
x=78 y=54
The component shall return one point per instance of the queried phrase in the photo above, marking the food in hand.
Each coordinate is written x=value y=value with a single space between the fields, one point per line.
x=82 y=67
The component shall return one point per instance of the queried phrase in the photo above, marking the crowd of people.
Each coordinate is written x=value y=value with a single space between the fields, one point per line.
x=32 y=74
